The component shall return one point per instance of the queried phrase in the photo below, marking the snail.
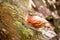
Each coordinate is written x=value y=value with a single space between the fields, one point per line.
x=40 y=24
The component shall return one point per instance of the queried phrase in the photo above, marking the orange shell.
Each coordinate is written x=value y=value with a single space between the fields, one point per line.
x=33 y=20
